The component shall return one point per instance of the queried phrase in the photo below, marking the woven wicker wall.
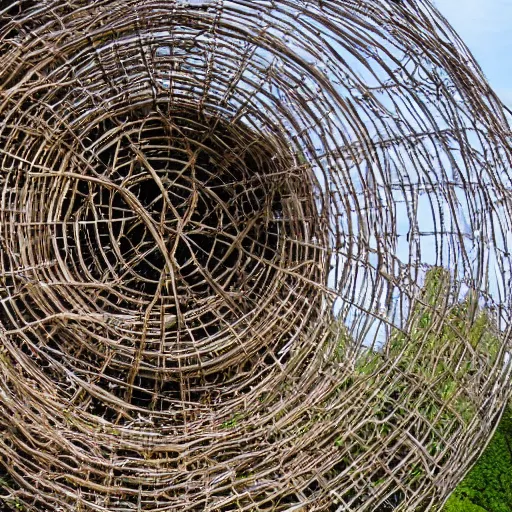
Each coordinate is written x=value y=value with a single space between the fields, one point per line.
x=253 y=256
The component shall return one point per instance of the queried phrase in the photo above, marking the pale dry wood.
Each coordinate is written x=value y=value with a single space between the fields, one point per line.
x=208 y=299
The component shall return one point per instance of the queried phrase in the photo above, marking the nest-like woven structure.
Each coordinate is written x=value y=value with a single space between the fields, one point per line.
x=216 y=224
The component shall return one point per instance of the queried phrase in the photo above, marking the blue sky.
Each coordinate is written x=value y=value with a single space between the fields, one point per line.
x=486 y=28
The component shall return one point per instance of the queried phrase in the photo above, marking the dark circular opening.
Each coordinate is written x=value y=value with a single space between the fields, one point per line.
x=171 y=237
x=206 y=195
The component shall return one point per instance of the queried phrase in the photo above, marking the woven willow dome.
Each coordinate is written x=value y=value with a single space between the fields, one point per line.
x=254 y=256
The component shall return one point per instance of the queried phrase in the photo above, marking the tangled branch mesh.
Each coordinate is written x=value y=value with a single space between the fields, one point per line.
x=254 y=256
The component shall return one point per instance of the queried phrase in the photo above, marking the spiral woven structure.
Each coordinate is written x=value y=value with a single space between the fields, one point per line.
x=217 y=221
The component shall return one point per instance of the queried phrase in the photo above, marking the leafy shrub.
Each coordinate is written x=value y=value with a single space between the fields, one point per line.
x=437 y=363
x=488 y=486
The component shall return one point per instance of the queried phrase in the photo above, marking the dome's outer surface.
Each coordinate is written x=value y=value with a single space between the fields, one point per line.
x=217 y=220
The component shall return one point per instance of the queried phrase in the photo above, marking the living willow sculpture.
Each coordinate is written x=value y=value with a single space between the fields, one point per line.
x=254 y=256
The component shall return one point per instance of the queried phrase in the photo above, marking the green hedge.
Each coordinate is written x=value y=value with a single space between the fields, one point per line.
x=488 y=486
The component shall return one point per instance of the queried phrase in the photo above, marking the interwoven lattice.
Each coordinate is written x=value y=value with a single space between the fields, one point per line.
x=254 y=256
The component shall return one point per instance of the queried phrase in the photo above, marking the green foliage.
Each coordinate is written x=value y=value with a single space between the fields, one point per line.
x=444 y=344
x=488 y=486
x=232 y=422
x=436 y=321
x=462 y=505
x=13 y=504
x=447 y=341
